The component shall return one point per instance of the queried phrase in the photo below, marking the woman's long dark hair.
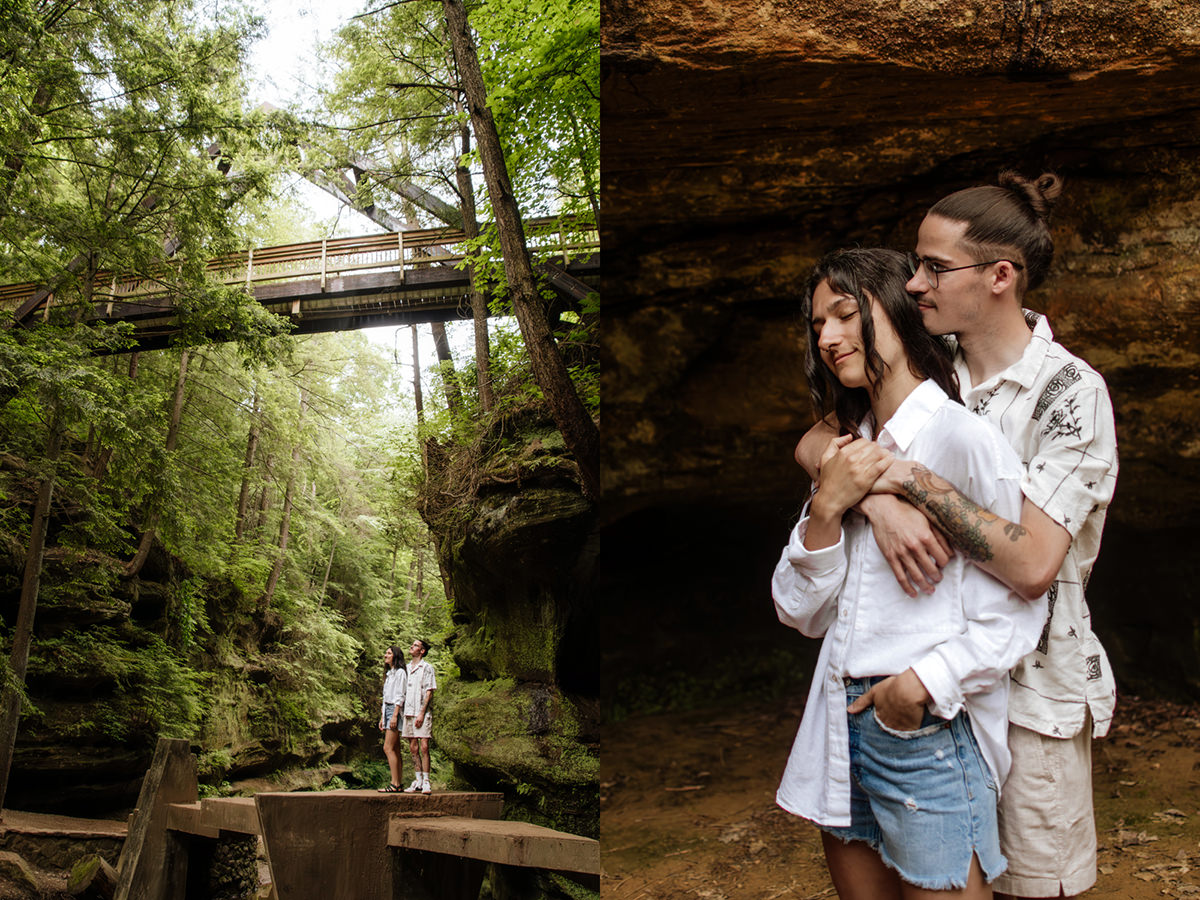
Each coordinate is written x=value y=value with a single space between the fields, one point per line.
x=867 y=274
x=397 y=659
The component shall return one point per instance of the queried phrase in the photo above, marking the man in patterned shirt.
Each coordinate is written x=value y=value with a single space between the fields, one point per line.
x=978 y=251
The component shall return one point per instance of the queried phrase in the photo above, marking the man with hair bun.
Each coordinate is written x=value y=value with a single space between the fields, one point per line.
x=979 y=250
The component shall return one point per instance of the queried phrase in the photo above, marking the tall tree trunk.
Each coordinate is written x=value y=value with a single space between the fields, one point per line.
x=264 y=497
x=30 y=585
x=100 y=469
x=417 y=379
x=143 y=552
x=579 y=432
x=454 y=398
x=479 y=307
x=420 y=592
x=285 y=518
x=14 y=160
x=328 y=569
x=247 y=468
x=412 y=581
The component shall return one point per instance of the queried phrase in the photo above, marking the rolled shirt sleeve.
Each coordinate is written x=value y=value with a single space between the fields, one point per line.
x=1000 y=626
x=806 y=583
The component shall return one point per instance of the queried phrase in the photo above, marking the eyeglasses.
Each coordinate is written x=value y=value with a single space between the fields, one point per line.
x=934 y=270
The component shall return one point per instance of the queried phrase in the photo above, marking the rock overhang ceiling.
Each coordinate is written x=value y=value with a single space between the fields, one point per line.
x=743 y=140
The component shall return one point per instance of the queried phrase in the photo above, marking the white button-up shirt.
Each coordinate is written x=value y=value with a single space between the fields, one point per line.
x=961 y=640
x=421 y=678
x=394 y=684
x=1054 y=410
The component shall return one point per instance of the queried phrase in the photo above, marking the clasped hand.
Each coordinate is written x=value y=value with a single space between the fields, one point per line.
x=849 y=468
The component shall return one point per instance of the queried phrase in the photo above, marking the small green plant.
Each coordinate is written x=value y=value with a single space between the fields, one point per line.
x=368 y=772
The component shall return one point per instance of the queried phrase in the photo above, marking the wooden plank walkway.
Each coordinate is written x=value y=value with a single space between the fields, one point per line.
x=323 y=845
x=49 y=825
x=491 y=840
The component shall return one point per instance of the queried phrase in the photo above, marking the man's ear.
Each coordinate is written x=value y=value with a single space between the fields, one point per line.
x=1004 y=277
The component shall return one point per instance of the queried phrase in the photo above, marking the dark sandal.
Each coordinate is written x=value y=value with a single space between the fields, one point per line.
x=390 y=789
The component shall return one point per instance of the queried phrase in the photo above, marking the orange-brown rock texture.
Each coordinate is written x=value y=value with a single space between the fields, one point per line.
x=744 y=139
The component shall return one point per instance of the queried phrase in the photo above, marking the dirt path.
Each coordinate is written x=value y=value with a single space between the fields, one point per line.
x=687 y=807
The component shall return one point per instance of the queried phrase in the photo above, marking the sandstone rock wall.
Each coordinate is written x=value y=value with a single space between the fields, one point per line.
x=745 y=139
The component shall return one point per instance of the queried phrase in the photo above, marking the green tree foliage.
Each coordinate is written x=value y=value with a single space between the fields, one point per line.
x=541 y=64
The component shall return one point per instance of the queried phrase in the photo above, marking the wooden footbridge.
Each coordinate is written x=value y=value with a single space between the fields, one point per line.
x=337 y=845
x=336 y=284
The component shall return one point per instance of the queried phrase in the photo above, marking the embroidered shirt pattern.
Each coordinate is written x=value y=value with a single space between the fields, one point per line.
x=1055 y=411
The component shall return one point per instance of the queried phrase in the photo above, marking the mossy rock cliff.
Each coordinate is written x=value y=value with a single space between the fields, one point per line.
x=518 y=547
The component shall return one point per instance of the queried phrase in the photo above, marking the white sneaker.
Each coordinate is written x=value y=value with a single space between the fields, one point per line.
x=414 y=787
x=426 y=789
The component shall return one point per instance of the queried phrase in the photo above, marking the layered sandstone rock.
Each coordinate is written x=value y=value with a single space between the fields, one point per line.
x=744 y=139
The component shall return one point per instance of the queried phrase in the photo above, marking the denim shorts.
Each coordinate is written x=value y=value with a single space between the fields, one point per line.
x=389 y=710
x=924 y=800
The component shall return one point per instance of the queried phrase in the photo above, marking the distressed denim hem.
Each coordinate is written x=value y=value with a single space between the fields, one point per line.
x=846 y=839
x=946 y=884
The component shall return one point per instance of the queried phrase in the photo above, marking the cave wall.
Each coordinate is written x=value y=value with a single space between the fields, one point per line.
x=743 y=140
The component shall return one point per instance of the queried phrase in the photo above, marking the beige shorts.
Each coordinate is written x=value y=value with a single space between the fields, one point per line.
x=412 y=731
x=1047 y=828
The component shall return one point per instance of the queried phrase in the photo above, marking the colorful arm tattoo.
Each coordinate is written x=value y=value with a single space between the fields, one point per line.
x=961 y=519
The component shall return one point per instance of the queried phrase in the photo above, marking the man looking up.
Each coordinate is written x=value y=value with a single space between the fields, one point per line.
x=978 y=251
x=418 y=720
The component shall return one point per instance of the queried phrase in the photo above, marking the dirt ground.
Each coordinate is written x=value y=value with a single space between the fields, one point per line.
x=687 y=807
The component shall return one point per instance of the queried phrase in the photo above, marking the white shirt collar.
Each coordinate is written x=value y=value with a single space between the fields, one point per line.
x=1026 y=369
x=911 y=416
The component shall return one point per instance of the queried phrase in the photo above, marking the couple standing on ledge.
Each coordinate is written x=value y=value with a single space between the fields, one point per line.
x=407 y=691
x=963 y=465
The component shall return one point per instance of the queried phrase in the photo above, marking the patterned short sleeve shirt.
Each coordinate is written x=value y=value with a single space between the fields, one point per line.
x=421 y=678
x=1055 y=411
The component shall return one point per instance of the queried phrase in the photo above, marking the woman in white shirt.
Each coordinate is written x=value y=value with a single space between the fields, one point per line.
x=901 y=750
x=395 y=681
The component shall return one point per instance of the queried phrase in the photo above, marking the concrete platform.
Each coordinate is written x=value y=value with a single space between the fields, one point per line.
x=333 y=845
x=509 y=843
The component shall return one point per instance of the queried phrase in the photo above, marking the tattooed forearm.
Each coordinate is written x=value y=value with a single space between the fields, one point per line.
x=961 y=519
x=1015 y=531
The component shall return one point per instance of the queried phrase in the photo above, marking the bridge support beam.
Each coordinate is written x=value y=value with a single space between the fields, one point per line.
x=333 y=845
x=153 y=860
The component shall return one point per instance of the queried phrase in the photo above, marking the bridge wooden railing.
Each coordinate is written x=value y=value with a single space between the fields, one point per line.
x=392 y=251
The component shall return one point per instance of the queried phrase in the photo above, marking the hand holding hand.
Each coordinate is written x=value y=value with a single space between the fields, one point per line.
x=891 y=479
x=849 y=468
